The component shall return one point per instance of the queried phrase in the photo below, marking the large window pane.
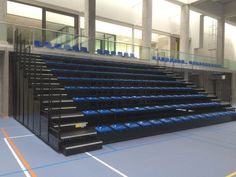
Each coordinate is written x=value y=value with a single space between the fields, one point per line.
x=63 y=24
x=24 y=15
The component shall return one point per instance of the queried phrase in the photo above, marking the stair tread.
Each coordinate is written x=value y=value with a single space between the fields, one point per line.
x=78 y=133
x=76 y=145
x=68 y=115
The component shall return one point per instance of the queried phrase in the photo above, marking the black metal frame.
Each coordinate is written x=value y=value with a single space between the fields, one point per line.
x=28 y=90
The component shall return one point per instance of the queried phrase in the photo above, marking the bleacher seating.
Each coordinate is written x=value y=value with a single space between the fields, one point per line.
x=88 y=102
x=179 y=61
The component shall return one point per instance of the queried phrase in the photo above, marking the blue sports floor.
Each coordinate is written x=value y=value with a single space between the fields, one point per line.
x=203 y=152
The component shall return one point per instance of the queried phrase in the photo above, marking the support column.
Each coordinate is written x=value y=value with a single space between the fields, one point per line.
x=233 y=91
x=220 y=40
x=133 y=39
x=90 y=23
x=186 y=75
x=146 y=28
x=4 y=83
x=3 y=18
x=201 y=32
x=184 y=29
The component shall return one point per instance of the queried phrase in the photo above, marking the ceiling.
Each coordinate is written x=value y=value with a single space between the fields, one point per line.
x=218 y=8
x=222 y=1
x=213 y=8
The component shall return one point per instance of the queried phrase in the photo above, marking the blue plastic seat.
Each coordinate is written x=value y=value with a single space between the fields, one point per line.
x=90 y=113
x=38 y=43
x=113 y=53
x=155 y=122
x=67 y=47
x=118 y=127
x=78 y=99
x=129 y=109
x=166 y=121
x=104 y=111
x=116 y=98
x=144 y=123
x=186 y=118
x=48 y=45
x=148 y=108
x=141 y=109
x=103 y=129
x=57 y=46
x=132 y=55
x=84 y=49
x=132 y=125
x=126 y=54
x=117 y=110
x=104 y=98
x=76 y=48
x=158 y=108
x=92 y=99
x=106 y=52
x=120 y=54
x=175 y=119
x=99 y=51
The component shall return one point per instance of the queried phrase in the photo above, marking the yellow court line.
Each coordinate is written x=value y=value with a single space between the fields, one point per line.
x=25 y=163
x=231 y=175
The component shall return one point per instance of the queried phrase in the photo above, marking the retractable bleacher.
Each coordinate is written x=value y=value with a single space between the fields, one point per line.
x=77 y=105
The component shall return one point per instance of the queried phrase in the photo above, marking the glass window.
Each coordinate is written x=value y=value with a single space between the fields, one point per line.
x=24 y=15
x=23 y=10
x=61 y=23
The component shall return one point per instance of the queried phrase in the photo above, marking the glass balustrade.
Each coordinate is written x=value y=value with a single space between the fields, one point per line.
x=66 y=41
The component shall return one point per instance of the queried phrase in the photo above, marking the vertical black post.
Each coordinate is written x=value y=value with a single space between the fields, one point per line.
x=44 y=25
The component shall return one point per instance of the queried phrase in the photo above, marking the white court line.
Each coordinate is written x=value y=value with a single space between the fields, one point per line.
x=21 y=136
x=17 y=159
x=107 y=165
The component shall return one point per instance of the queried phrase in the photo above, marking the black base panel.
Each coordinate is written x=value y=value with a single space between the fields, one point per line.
x=81 y=150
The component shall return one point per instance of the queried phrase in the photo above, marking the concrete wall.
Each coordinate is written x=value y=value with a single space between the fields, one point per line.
x=1 y=79
x=4 y=83
x=233 y=95
x=214 y=84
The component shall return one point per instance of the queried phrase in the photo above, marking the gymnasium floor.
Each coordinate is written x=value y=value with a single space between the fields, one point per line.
x=203 y=152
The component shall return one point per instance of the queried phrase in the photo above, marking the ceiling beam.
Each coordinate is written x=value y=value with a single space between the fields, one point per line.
x=176 y=2
x=229 y=9
x=198 y=2
x=209 y=8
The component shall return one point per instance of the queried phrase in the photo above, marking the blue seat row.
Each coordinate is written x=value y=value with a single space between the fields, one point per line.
x=170 y=60
x=100 y=72
x=106 y=67
x=128 y=88
x=49 y=45
x=161 y=122
x=204 y=64
x=179 y=61
x=113 y=53
x=117 y=98
x=149 y=108
x=117 y=80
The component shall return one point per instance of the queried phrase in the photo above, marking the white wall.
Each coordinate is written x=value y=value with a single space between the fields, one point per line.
x=194 y=30
x=71 y=4
x=122 y=10
x=210 y=35
x=230 y=42
x=166 y=16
